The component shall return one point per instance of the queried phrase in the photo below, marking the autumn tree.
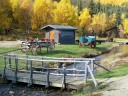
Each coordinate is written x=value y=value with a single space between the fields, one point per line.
x=65 y=13
x=125 y=25
x=85 y=20
x=98 y=25
x=25 y=15
x=111 y=21
x=5 y=15
x=15 y=12
x=42 y=13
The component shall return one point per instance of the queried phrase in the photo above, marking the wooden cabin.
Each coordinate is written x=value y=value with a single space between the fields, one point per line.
x=60 y=34
x=115 y=32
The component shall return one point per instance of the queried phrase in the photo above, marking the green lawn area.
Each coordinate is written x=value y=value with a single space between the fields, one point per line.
x=75 y=51
x=65 y=51
x=69 y=50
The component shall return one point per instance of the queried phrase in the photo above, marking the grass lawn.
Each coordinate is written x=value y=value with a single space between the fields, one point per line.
x=75 y=51
x=65 y=51
x=68 y=50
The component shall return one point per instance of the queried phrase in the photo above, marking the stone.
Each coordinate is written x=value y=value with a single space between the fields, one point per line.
x=11 y=92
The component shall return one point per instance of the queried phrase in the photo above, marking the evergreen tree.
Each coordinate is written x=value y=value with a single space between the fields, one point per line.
x=80 y=7
x=92 y=8
x=118 y=16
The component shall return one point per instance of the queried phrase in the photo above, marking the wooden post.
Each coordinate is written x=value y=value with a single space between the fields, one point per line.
x=74 y=67
x=64 y=77
x=47 y=45
x=26 y=62
x=59 y=65
x=31 y=74
x=16 y=70
x=47 y=78
x=92 y=66
x=42 y=65
x=92 y=75
x=4 y=73
x=9 y=61
x=86 y=73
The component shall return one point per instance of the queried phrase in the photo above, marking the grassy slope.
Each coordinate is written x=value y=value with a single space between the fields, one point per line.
x=121 y=70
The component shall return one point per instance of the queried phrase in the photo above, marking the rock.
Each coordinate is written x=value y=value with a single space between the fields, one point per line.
x=11 y=92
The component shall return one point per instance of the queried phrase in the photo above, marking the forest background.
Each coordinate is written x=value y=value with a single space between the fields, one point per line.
x=89 y=16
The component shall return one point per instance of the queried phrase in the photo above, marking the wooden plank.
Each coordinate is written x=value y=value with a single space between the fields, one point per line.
x=55 y=81
x=31 y=74
x=16 y=70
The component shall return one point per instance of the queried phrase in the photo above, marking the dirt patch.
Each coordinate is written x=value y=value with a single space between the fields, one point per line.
x=116 y=87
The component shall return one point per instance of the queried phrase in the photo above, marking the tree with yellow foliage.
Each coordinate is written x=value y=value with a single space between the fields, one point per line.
x=5 y=17
x=111 y=21
x=25 y=15
x=125 y=25
x=85 y=19
x=15 y=12
x=98 y=25
x=42 y=13
x=65 y=13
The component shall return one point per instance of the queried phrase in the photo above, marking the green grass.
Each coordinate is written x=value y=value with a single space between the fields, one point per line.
x=121 y=70
x=64 y=51
x=75 y=51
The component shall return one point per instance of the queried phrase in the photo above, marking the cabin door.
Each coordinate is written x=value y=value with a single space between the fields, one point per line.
x=51 y=35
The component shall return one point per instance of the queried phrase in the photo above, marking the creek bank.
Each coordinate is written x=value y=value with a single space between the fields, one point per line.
x=98 y=54
x=21 y=89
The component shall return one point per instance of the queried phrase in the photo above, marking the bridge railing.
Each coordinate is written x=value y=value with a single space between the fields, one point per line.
x=55 y=58
x=43 y=65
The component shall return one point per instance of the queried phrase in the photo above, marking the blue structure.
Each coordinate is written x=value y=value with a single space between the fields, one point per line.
x=60 y=34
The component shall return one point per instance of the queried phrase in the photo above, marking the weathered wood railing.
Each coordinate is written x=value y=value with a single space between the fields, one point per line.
x=28 y=64
x=53 y=58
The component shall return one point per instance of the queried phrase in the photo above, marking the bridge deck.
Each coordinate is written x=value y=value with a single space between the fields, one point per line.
x=56 y=81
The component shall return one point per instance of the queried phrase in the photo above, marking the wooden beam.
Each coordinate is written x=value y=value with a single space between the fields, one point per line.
x=16 y=70
x=31 y=75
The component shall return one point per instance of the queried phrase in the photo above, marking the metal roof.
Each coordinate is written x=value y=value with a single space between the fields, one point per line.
x=59 y=27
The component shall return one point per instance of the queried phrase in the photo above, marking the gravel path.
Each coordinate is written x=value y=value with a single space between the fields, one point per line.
x=117 y=87
x=10 y=43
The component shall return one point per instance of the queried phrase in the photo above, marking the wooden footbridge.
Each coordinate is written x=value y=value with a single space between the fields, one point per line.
x=48 y=71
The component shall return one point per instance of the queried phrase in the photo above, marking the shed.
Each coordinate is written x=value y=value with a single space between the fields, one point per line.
x=60 y=34
x=115 y=32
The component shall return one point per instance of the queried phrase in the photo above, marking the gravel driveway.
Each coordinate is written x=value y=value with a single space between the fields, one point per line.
x=10 y=43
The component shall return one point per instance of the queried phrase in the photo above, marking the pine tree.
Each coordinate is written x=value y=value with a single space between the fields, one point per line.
x=92 y=8
x=118 y=16
x=80 y=7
